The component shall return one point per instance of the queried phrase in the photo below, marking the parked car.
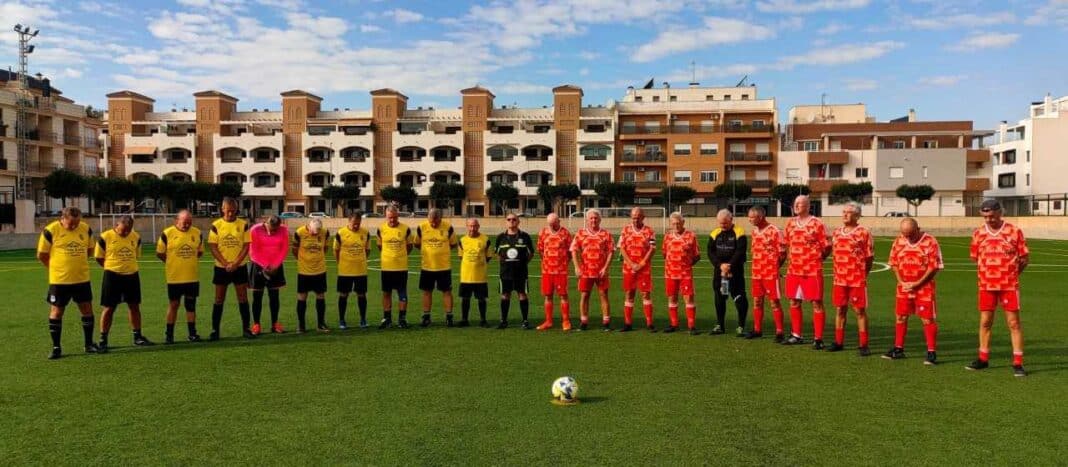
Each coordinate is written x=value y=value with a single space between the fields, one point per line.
x=290 y=215
x=318 y=214
x=896 y=214
x=420 y=214
x=372 y=214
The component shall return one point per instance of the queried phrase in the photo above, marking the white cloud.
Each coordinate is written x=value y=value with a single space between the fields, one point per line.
x=1054 y=11
x=138 y=58
x=840 y=55
x=367 y=28
x=831 y=29
x=964 y=20
x=942 y=80
x=977 y=42
x=735 y=71
x=521 y=88
x=794 y=7
x=103 y=8
x=856 y=84
x=715 y=31
x=588 y=55
x=584 y=72
x=400 y=15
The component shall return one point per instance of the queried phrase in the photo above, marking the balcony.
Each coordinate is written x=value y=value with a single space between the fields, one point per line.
x=650 y=185
x=760 y=130
x=652 y=157
x=828 y=157
x=644 y=130
x=748 y=158
x=823 y=185
x=759 y=184
x=976 y=184
x=978 y=156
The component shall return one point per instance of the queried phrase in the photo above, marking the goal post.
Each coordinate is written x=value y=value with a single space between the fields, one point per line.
x=652 y=214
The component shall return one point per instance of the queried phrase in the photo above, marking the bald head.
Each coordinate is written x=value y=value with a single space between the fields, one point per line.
x=802 y=205
x=553 y=220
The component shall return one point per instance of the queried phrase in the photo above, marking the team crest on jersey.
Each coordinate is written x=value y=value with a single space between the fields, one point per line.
x=72 y=248
x=230 y=241
x=186 y=252
x=125 y=254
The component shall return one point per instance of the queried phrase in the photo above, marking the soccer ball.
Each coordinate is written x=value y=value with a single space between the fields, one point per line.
x=565 y=389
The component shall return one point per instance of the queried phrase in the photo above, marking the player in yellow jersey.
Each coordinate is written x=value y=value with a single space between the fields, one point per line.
x=309 y=248
x=435 y=239
x=180 y=248
x=117 y=251
x=352 y=247
x=475 y=253
x=395 y=241
x=64 y=249
x=229 y=239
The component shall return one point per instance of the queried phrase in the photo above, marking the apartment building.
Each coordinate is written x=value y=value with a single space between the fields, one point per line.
x=60 y=135
x=697 y=137
x=826 y=145
x=1029 y=162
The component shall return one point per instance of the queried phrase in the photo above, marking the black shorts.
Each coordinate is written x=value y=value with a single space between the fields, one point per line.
x=120 y=288
x=442 y=280
x=238 y=277
x=395 y=280
x=480 y=291
x=513 y=285
x=259 y=281
x=346 y=284
x=175 y=292
x=311 y=283
x=62 y=294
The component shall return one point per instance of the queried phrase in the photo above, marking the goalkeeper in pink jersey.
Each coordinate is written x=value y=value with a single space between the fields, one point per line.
x=270 y=243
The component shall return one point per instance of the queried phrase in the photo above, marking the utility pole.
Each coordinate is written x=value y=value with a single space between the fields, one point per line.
x=23 y=104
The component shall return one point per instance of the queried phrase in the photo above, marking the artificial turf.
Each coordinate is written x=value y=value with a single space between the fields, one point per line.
x=481 y=396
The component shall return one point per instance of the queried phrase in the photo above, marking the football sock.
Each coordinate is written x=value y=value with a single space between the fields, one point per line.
x=839 y=336
x=549 y=312
x=628 y=312
x=242 y=308
x=55 y=330
x=216 y=317
x=170 y=331
x=320 y=312
x=721 y=313
x=482 y=309
x=387 y=316
x=104 y=338
x=691 y=316
x=795 y=319
x=402 y=315
x=302 y=310
x=900 y=329
x=191 y=326
x=342 y=304
x=930 y=331
x=87 y=329
x=1017 y=359
x=565 y=311
x=361 y=301
x=505 y=303
x=257 y=305
x=605 y=320
x=673 y=315
x=136 y=334
x=818 y=318
x=984 y=355
x=863 y=338
x=741 y=304
x=465 y=308
x=777 y=315
x=275 y=304
x=758 y=319
x=647 y=308
x=524 y=308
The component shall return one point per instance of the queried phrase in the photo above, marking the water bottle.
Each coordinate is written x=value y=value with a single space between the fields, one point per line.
x=724 y=286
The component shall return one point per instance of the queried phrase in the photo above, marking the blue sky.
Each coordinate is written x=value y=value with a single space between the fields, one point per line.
x=951 y=59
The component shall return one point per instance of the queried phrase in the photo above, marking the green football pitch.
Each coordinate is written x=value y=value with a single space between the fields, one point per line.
x=481 y=396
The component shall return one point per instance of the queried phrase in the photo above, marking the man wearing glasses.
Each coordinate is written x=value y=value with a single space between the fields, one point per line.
x=515 y=250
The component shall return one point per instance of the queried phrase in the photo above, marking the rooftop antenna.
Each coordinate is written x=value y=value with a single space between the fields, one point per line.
x=742 y=82
x=693 y=73
x=823 y=103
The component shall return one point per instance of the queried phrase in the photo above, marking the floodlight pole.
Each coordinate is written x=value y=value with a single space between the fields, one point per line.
x=23 y=186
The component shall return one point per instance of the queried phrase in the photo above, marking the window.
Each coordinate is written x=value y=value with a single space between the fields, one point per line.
x=595 y=152
x=541 y=129
x=263 y=155
x=707 y=126
x=682 y=149
x=594 y=128
x=630 y=176
x=835 y=171
x=1028 y=177
x=737 y=148
x=862 y=172
x=653 y=150
x=264 y=180
x=1028 y=155
x=673 y=98
x=409 y=154
x=745 y=97
x=763 y=148
x=930 y=144
x=680 y=126
x=811 y=145
x=652 y=127
x=899 y=145
x=502 y=153
x=735 y=124
x=652 y=176
x=709 y=176
x=757 y=124
x=656 y=98
x=1057 y=205
x=1007 y=180
x=1008 y=157
x=710 y=97
x=925 y=171
x=727 y=97
x=589 y=180
x=318 y=155
x=534 y=178
x=637 y=98
x=630 y=150
x=793 y=174
x=737 y=175
x=683 y=176
x=897 y=172
x=709 y=149
x=761 y=175
x=630 y=128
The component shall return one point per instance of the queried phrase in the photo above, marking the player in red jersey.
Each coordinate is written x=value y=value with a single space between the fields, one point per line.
x=769 y=254
x=916 y=258
x=680 y=254
x=592 y=253
x=636 y=245
x=1001 y=253
x=554 y=243
x=853 y=253
x=807 y=247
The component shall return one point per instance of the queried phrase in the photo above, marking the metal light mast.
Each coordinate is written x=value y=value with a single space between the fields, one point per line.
x=23 y=104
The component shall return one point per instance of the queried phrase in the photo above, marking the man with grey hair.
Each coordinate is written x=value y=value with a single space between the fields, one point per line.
x=853 y=253
x=117 y=251
x=727 y=247
x=435 y=239
x=309 y=249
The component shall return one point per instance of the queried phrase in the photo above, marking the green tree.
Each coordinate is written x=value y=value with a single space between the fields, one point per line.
x=617 y=193
x=844 y=192
x=447 y=194
x=501 y=195
x=677 y=195
x=915 y=195
x=404 y=196
x=341 y=196
x=63 y=184
x=555 y=196
x=733 y=191
x=151 y=188
x=787 y=193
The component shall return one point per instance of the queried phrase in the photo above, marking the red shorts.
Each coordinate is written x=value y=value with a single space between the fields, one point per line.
x=766 y=288
x=678 y=286
x=925 y=309
x=553 y=284
x=807 y=288
x=642 y=281
x=586 y=283
x=1008 y=299
x=857 y=297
